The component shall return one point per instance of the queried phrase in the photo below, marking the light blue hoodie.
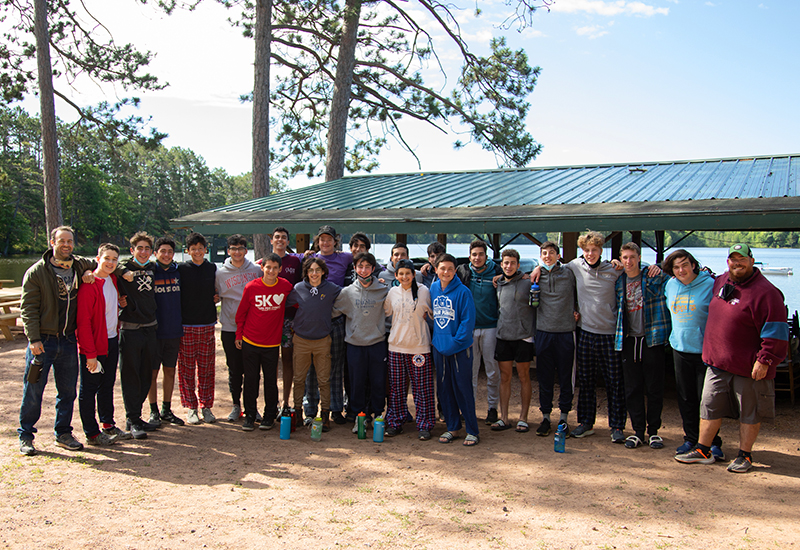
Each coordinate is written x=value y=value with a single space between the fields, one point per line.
x=688 y=307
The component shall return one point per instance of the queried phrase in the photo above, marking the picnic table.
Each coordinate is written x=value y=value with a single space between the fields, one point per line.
x=6 y=282
x=9 y=298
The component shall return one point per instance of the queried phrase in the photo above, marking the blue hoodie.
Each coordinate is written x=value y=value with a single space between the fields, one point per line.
x=453 y=317
x=688 y=306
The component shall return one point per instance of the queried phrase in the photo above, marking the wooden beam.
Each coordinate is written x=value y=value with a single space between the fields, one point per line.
x=659 y=247
x=569 y=246
x=442 y=238
x=533 y=239
x=401 y=238
x=496 y=246
x=302 y=241
x=616 y=244
x=636 y=236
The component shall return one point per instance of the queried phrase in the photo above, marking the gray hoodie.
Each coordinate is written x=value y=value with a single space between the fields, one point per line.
x=363 y=307
x=230 y=283
x=597 y=299
x=517 y=319
x=556 y=300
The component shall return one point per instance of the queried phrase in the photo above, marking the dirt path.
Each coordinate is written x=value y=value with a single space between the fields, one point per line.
x=216 y=486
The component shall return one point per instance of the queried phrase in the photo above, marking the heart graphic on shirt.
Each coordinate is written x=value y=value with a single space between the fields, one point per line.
x=278 y=298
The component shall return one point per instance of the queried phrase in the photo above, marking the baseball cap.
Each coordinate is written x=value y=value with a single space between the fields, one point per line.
x=740 y=248
x=327 y=230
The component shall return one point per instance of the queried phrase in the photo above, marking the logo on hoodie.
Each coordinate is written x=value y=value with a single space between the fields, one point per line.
x=443 y=311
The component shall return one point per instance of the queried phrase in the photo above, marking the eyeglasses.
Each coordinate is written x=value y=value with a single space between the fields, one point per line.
x=237 y=248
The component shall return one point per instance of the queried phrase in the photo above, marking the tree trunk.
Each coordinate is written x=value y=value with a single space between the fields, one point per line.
x=52 y=194
x=263 y=36
x=340 y=103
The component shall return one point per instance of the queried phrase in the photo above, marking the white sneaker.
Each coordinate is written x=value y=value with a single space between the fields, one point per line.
x=208 y=416
x=193 y=417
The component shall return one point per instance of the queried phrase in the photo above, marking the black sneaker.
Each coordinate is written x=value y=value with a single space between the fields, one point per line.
x=170 y=418
x=26 y=447
x=69 y=442
x=248 y=425
x=267 y=424
x=391 y=432
x=544 y=428
x=155 y=418
x=146 y=426
x=491 y=417
x=117 y=434
x=338 y=418
x=583 y=430
x=137 y=431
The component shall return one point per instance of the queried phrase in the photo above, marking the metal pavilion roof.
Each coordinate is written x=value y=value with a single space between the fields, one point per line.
x=729 y=193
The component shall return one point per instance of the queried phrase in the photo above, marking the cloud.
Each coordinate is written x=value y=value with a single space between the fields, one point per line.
x=609 y=8
x=712 y=4
x=592 y=32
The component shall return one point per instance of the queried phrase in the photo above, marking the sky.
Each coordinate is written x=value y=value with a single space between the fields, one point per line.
x=621 y=81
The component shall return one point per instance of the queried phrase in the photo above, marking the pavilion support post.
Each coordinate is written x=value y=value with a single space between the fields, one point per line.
x=302 y=241
x=636 y=237
x=569 y=246
x=616 y=244
x=442 y=238
x=401 y=238
x=659 y=246
x=496 y=246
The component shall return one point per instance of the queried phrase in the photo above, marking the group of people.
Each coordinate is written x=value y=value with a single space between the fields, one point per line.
x=352 y=336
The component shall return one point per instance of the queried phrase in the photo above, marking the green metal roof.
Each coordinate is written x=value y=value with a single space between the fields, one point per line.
x=714 y=194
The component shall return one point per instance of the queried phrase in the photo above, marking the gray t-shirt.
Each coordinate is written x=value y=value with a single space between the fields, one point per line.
x=634 y=305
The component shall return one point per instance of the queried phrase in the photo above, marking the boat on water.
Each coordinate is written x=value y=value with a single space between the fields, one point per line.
x=770 y=270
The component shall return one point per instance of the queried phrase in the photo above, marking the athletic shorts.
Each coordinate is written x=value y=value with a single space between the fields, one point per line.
x=733 y=396
x=167 y=353
x=514 y=350
x=288 y=333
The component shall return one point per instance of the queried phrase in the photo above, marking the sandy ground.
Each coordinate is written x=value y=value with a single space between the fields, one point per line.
x=215 y=486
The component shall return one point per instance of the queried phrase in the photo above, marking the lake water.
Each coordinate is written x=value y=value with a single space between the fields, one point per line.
x=714 y=258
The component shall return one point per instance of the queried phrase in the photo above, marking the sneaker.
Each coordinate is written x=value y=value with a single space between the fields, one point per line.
x=193 y=418
x=236 y=413
x=740 y=465
x=266 y=424
x=582 y=430
x=208 y=416
x=716 y=450
x=566 y=427
x=248 y=425
x=258 y=418
x=137 y=431
x=146 y=426
x=117 y=434
x=155 y=418
x=424 y=435
x=695 y=455
x=338 y=418
x=169 y=416
x=685 y=448
x=26 y=447
x=544 y=428
x=101 y=440
x=391 y=432
x=69 y=442
x=617 y=436
x=491 y=417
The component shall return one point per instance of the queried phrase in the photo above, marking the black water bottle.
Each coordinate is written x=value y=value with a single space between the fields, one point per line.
x=36 y=368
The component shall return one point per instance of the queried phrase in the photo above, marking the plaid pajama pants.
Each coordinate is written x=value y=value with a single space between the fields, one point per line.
x=402 y=367
x=595 y=353
x=197 y=353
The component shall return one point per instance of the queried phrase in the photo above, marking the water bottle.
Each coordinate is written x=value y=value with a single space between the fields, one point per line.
x=362 y=425
x=293 y=415
x=560 y=438
x=286 y=427
x=36 y=368
x=316 y=429
x=534 y=297
x=377 y=430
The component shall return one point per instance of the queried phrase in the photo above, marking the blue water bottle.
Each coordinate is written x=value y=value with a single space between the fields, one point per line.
x=286 y=427
x=534 y=297
x=377 y=430
x=560 y=438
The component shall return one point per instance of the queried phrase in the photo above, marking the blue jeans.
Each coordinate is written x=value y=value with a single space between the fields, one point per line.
x=60 y=353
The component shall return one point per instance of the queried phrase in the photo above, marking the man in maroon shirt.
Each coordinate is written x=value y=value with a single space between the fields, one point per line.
x=746 y=338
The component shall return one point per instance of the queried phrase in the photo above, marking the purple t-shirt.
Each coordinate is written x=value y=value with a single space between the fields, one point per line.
x=337 y=265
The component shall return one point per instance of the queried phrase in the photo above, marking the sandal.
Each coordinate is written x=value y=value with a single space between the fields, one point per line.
x=522 y=426
x=499 y=426
x=632 y=441
x=447 y=437
x=656 y=442
x=471 y=440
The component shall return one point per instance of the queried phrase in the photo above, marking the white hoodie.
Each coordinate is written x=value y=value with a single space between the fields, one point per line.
x=410 y=333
